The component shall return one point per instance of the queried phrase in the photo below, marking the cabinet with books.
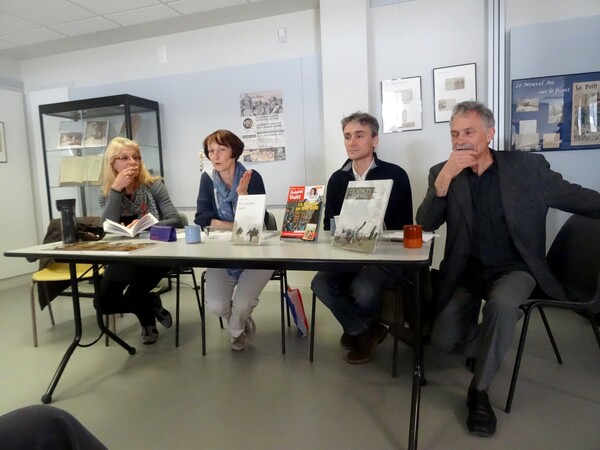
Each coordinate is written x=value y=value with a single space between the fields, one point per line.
x=74 y=139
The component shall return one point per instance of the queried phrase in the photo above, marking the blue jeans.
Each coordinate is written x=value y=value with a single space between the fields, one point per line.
x=354 y=298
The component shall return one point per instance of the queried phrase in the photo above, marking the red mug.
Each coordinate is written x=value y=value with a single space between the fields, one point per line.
x=413 y=236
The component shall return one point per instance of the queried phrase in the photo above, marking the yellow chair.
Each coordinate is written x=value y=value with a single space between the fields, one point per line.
x=56 y=273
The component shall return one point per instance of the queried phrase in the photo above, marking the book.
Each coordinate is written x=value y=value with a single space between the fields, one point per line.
x=104 y=247
x=142 y=224
x=77 y=170
x=70 y=134
x=360 y=222
x=249 y=219
x=302 y=214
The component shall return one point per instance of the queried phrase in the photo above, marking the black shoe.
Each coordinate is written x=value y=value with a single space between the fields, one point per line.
x=366 y=343
x=348 y=342
x=161 y=314
x=481 y=420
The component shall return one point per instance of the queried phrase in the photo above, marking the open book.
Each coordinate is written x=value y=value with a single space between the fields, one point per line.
x=361 y=219
x=116 y=228
x=76 y=170
x=303 y=213
x=249 y=219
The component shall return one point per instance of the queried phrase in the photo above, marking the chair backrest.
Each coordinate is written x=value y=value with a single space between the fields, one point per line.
x=184 y=219
x=271 y=222
x=574 y=256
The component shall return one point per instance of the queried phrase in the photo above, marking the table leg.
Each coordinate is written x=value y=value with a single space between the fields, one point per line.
x=131 y=350
x=47 y=397
x=418 y=373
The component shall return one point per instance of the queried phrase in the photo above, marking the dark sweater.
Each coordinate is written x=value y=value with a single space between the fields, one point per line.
x=399 y=211
x=206 y=206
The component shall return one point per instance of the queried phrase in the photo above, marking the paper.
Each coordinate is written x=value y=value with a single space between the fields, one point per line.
x=399 y=235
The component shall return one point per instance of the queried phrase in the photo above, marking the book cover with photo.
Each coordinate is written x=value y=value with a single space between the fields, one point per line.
x=249 y=219
x=360 y=222
x=302 y=215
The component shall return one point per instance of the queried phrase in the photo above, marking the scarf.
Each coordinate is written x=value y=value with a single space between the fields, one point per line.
x=226 y=200
x=141 y=203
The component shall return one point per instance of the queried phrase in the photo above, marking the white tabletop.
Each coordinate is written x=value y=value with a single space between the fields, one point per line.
x=271 y=253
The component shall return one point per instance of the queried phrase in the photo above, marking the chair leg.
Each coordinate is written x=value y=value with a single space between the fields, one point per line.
x=200 y=304
x=33 y=320
x=203 y=312
x=313 y=316
x=285 y=285
x=594 y=323
x=550 y=335
x=513 y=381
x=177 y=291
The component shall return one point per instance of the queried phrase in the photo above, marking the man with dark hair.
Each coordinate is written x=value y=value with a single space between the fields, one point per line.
x=355 y=297
x=494 y=205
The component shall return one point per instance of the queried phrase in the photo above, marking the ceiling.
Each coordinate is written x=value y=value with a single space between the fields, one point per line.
x=34 y=28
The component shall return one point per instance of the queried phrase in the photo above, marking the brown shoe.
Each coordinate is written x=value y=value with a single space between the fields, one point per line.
x=347 y=342
x=366 y=343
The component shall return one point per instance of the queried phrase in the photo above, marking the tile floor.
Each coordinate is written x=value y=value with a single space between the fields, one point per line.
x=174 y=398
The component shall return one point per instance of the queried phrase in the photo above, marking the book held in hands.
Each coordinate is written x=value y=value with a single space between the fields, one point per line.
x=360 y=222
x=249 y=219
x=142 y=224
x=302 y=214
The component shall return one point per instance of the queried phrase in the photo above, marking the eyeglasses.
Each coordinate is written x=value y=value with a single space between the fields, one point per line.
x=135 y=158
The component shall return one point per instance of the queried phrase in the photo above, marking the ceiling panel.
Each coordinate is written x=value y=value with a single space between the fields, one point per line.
x=143 y=15
x=104 y=7
x=46 y=12
x=85 y=26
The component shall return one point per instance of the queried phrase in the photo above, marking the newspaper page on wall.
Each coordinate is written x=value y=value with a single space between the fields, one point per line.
x=262 y=124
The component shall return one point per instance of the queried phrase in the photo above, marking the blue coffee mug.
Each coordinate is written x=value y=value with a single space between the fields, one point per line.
x=192 y=234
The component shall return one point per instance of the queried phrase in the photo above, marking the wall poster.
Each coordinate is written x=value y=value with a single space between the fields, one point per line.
x=452 y=85
x=556 y=113
x=401 y=105
x=262 y=124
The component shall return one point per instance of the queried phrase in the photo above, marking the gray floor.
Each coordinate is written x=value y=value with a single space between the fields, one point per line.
x=174 y=398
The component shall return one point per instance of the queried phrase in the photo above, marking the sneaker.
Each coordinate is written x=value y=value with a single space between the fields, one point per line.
x=162 y=315
x=250 y=329
x=238 y=343
x=366 y=343
x=149 y=334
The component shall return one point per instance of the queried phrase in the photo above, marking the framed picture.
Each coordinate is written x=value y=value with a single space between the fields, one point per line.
x=2 y=144
x=70 y=135
x=556 y=113
x=452 y=85
x=96 y=133
x=401 y=108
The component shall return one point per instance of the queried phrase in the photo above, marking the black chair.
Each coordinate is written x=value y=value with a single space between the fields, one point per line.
x=278 y=275
x=175 y=275
x=574 y=258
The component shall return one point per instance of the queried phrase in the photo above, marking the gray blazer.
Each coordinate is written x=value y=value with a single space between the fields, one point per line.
x=528 y=188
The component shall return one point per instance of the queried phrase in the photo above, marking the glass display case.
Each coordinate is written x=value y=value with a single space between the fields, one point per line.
x=74 y=139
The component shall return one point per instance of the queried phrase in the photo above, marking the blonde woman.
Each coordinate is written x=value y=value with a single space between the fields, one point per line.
x=129 y=192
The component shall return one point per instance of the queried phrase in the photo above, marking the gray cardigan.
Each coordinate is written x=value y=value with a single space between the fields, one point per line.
x=168 y=214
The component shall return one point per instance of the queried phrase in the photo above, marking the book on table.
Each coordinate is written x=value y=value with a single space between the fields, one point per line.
x=142 y=224
x=360 y=221
x=249 y=219
x=302 y=214
x=102 y=247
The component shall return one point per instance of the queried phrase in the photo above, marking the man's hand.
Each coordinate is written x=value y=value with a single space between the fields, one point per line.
x=457 y=161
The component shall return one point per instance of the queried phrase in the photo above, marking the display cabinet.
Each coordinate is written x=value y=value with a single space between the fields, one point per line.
x=74 y=139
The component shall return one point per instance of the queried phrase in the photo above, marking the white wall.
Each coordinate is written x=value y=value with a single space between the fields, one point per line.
x=18 y=224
